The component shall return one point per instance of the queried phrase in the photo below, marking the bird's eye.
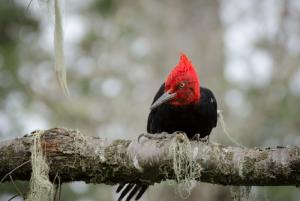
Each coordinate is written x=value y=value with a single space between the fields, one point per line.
x=181 y=85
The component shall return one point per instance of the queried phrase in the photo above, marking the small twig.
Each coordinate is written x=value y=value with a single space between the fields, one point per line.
x=27 y=8
x=59 y=193
x=13 y=197
x=56 y=175
x=15 y=185
x=58 y=187
x=224 y=127
x=3 y=178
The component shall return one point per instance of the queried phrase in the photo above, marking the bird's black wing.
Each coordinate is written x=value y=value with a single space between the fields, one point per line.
x=160 y=92
x=202 y=116
x=209 y=102
x=132 y=189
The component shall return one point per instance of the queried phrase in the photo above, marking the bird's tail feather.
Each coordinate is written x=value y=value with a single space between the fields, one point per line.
x=131 y=190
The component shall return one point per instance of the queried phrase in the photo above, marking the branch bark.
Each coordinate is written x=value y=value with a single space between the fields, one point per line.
x=75 y=157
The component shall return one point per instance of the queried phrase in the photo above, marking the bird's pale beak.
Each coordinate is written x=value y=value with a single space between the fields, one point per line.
x=162 y=99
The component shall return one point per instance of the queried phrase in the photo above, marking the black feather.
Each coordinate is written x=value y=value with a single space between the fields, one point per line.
x=120 y=187
x=193 y=119
x=143 y=188
x=125 y=191
x=133 y=192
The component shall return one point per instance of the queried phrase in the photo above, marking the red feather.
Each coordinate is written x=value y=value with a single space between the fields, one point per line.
x=185 y=72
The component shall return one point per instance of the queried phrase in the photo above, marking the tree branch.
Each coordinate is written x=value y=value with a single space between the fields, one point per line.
x=75 y=157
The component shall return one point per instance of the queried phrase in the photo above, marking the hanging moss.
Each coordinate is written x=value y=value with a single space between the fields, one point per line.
x=59 y=58
x=185 y=168
x=40 y=186
x=242 y=193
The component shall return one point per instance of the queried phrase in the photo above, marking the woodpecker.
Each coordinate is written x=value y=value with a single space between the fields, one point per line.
x=180 y=104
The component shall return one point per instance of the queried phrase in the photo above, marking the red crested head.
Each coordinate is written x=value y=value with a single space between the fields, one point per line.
x=182 y=85
x=183 y=81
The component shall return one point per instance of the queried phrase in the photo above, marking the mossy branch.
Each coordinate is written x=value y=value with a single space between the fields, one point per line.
x=76 y=157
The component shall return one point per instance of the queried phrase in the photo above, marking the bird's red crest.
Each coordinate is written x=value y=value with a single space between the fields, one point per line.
x=184 y=72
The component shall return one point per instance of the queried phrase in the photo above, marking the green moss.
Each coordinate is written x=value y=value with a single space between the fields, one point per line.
x=262 y=156
x=248 y=166
x=113 y=151
x=229 y=156
x=294 y=166
x=226 y=169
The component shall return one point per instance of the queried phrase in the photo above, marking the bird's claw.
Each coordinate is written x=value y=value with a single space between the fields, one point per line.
x=142 y=135
x=146 y=135
x=156 y=136
x=198 y=138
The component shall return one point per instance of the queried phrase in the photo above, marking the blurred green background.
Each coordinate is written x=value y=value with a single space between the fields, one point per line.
x=119 y=52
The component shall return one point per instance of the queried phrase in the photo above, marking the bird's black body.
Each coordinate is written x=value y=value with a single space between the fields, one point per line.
x=199 y=118
x=192 y=119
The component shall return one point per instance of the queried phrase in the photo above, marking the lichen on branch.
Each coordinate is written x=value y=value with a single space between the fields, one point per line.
x=40 y=186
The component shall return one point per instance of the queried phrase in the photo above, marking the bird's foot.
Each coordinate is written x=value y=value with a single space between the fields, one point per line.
x=198 y=138
x=146 y=135
x=156 y=136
